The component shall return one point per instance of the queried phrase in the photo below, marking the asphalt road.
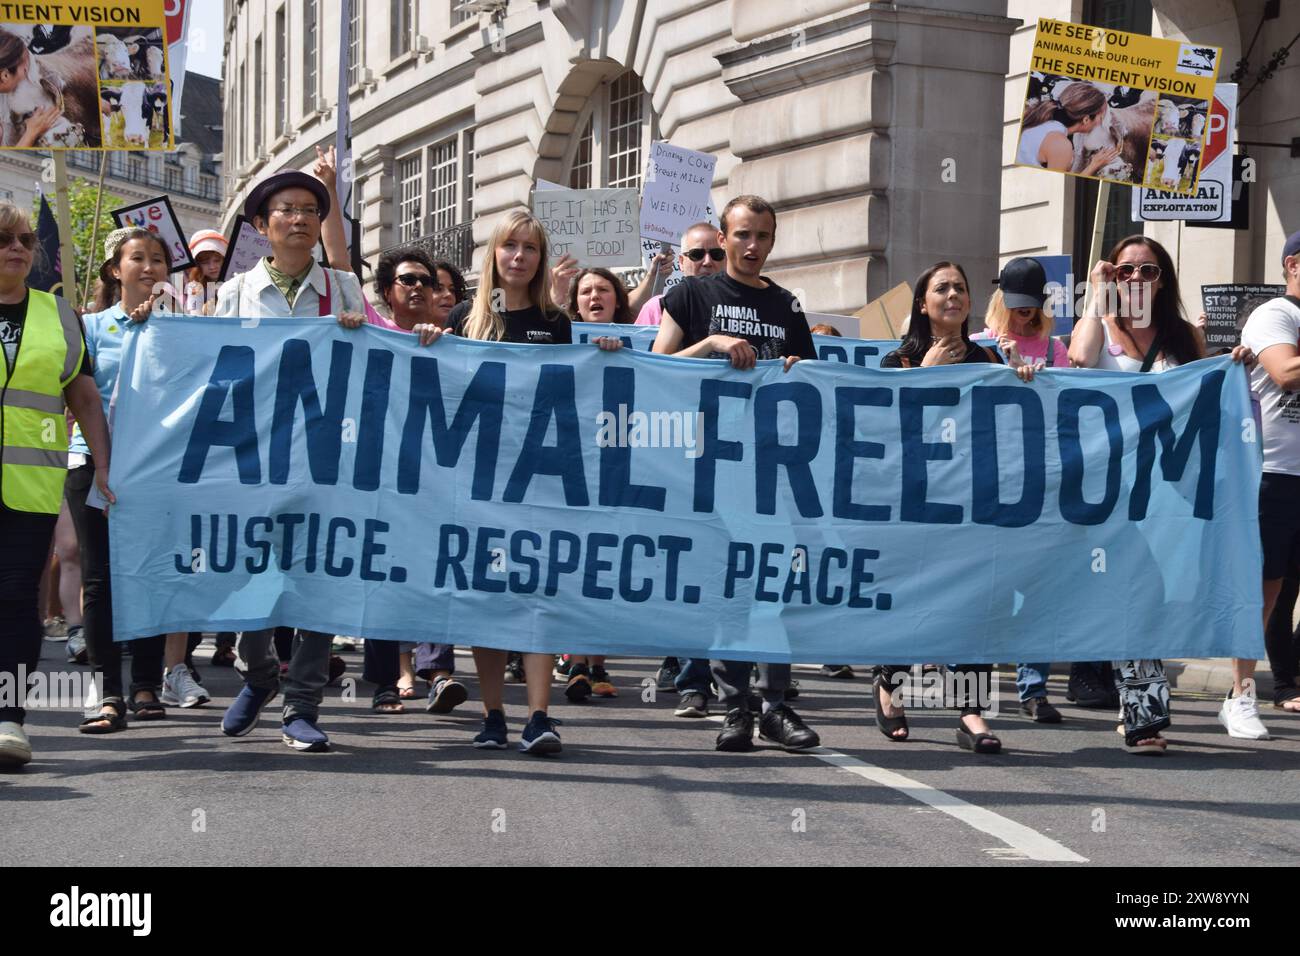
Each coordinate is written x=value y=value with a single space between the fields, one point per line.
x=637 y=786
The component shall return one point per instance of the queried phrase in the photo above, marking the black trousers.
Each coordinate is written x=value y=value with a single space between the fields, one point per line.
x=97 y=599
x=1282 y=641
x=24 y=546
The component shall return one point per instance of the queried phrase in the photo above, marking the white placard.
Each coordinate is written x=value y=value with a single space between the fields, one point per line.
x=676 y=194
x=595 y=226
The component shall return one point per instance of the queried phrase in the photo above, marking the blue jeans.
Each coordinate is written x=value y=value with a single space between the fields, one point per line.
x=1031 y=680
x=694 y=677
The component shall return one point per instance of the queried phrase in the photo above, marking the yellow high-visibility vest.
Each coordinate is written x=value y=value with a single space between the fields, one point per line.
x=33 y=430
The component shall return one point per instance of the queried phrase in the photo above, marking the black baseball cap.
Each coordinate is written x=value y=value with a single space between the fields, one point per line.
x=261 y=194
x=1023 y=283
x=1291 y=247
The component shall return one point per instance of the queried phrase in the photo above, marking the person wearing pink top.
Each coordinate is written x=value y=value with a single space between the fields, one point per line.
x=701 y=255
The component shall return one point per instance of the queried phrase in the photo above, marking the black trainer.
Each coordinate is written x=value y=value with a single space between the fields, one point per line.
x=1086 y=689
x=783 y=726
x=737 y=734
x=1039 y=709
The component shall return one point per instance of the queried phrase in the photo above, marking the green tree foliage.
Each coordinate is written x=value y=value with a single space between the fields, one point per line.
x=81 y=202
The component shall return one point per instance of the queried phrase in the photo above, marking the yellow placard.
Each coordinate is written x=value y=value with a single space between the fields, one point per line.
x=85 y=76
x=1106 y=104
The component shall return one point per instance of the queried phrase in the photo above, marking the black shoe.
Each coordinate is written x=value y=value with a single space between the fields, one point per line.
x=737 y=731
x=1038 y=709
x=837 y=670
x=792 y=691
x=1085 y=689
x=515 y=669
x=782 y=725
x=579 y=687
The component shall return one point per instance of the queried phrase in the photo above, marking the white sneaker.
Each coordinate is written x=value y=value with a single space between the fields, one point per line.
x=180 y=689
x=15 y=749
x=1241 y=716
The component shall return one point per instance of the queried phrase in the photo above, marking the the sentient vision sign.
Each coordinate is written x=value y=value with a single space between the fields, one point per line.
x=559 y=497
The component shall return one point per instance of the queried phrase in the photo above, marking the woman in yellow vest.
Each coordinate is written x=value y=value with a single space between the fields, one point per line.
x=43 y=365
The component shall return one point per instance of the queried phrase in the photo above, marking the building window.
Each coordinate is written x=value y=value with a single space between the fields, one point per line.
x=173 y=179
x=241 y=132
x=580 y=174
x=409 y=191
x=458 y=12
x=467 y=179
x=443 y=204
x=310 y=56
x=402 y=20
x=615 y=137
x=281 y=72
x=355 y=39
x=258 y=97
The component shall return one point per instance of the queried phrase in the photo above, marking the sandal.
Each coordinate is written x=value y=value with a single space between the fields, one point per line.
x=980 y=743
x=1293 y=698
x=387 y=701
x=889 y=726
x=116 y=718
x=1152 y=743
x=148 y=709
x=406 y=693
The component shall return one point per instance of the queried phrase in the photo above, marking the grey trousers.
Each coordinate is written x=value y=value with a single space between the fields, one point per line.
x=309 y=668
x=732 y=678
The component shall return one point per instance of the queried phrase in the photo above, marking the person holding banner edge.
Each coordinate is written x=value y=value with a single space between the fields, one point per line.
x=513 y=304
x=1273 y=333
x=693 y=325
x=45 y=365
x=1135 y=323
x=938 y=333
x=287 y=207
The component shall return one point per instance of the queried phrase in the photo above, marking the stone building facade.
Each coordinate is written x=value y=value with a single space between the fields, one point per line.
x=873 y=127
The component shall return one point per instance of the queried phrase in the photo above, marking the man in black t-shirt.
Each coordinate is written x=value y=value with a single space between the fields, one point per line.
x=741 y=316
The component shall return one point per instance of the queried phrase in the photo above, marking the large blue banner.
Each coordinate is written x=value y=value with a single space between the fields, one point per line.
x=555 y=498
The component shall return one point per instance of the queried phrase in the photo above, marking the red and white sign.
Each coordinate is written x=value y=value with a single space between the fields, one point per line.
x=178 y=28
x=1212 y=201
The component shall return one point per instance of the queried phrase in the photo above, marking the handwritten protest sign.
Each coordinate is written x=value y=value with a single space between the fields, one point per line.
x=157 y=216
x=1123 y=107
x=245 y=246
x=634 y=504
x=595 y=226
x=1227 y=307
x=676 y=196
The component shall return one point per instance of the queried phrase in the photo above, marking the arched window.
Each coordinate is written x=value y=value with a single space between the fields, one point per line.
x=616 y=131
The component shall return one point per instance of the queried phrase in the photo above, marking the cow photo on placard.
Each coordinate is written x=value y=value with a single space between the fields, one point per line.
x=131 y=53
x=48 y=93
x=134 y=114
x=1092 y=129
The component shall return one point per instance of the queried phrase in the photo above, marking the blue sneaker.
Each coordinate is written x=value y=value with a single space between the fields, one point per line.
x=241 y=715
x=303 y=735
x=539 y=736
x=493 y=736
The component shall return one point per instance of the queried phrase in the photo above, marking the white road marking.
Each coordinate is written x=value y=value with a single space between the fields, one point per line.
x=1022 y=842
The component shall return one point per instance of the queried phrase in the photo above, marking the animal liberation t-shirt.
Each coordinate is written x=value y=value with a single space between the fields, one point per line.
x=770 y=319
x=528 y=325
x=1276 y=322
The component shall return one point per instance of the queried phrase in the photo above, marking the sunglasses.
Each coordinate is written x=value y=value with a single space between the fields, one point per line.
x=697 y=255
x=28 y=239
x=1147 y=272
x=311 y=212
x=411 y=280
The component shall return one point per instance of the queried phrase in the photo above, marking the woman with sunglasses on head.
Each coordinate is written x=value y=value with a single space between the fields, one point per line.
x=43 y=365
x=1135 y=323
x=938 y=333
x=513 y=304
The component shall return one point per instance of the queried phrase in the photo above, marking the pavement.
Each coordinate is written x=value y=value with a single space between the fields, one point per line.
x=637 y=786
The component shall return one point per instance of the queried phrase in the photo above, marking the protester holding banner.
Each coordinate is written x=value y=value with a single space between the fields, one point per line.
x=938 y=333
x=134 y=260
x=287 y=207
x=513 y=304
x=53 y=368
x=1273 y=333
x=700 y=256
x=743 y=316
x=566 y=272
x=1023 y=330
x=1135 y=323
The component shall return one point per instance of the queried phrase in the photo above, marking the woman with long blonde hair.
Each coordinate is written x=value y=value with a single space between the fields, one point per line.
x=513 y=304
